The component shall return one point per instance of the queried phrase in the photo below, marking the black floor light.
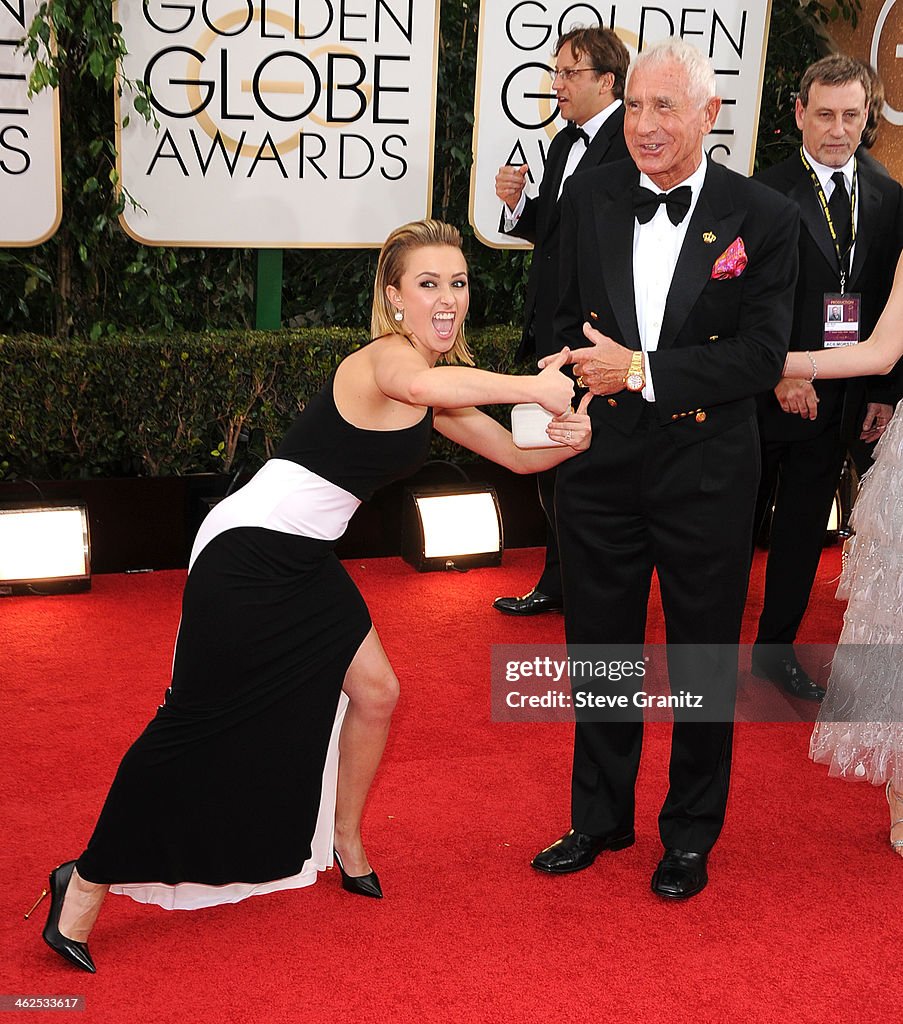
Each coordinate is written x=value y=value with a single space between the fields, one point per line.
x=452 y=526
x=45 y=547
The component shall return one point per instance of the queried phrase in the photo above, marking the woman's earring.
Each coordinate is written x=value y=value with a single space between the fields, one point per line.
x=399 y=315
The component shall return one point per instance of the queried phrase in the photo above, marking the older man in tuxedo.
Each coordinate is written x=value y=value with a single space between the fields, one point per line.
x=588 y=81
x=680 y=274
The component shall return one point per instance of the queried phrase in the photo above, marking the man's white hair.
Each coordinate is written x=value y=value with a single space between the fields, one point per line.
x=699 y=70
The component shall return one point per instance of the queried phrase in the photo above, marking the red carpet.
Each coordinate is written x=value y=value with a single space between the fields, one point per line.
x=801 y=921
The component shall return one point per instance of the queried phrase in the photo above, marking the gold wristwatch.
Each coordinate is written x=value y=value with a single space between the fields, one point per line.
x=635 y=378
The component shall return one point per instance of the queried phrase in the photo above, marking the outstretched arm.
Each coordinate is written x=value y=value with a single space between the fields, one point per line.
x=401 y=374
x=480 y=433
x=878 y=354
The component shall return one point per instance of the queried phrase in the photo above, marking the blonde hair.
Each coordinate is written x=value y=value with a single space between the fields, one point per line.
x=390 y=268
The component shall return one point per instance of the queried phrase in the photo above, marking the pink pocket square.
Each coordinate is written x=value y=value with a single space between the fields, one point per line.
x=731 y=263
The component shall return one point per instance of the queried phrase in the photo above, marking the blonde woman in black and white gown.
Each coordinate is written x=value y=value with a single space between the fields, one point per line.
x=859 y=731
x=255 y=770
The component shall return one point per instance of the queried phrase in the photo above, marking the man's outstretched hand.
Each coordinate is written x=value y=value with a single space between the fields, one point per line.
x=600 y=367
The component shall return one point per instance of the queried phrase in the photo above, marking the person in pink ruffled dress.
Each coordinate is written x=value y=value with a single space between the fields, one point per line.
x=859 y=732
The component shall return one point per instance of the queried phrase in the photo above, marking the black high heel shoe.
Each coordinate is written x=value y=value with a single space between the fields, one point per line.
x=360 y=885
x=75 y=952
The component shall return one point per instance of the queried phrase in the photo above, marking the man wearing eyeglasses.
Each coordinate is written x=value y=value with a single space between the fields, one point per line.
x=588 y=82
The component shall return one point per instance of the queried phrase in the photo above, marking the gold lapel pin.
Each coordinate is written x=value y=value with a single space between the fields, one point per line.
x=708 y=237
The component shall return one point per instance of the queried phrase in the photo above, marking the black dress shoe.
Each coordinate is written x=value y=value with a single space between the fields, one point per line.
x=534 y=603
x=680 y=875
x=75 y=952
x=360 y=885
x=785 y=671
x=577 y=851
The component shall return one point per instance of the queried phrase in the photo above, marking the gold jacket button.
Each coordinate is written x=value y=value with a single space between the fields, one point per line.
x=700 y=417
x=613 y=402
x=675 y=416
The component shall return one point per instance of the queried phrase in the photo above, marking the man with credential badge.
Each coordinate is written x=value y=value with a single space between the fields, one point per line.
x=850 y=237
x=679 y=273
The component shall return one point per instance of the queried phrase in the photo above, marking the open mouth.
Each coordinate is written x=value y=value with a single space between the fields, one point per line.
x=444 y=324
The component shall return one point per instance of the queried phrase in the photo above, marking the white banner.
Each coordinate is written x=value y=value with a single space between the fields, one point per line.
x=30 y=184
x=515 y=112
x=282 y=123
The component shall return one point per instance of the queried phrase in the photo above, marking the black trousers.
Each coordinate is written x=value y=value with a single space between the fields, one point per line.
x=550 y=580
x=630 y=506
x=801 y=478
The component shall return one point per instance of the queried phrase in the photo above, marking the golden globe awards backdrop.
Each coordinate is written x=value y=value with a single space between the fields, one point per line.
x=515 y=113
x=878 y=39
x=282 y=123
x=30 y=184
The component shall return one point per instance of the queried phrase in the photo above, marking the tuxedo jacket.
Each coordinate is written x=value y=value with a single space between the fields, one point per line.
x=879 y=238
x=722 y=341
x=540 y=222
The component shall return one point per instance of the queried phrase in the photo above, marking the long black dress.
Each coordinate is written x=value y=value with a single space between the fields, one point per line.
x=226 y=783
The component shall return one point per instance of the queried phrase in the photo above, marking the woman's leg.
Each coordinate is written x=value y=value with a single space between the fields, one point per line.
x=895 y=801
x=372 y=690
x=80 y=907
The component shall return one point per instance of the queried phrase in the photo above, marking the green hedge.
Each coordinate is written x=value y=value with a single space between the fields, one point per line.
x=170 y=405
x=90 y=277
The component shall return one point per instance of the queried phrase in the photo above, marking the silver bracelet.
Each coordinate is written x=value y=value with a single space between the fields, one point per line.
x=814 y=368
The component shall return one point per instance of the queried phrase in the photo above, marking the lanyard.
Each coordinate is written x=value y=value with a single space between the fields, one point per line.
x=823 y=202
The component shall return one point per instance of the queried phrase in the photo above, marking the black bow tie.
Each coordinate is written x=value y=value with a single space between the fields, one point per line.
x=646 y=202
x=573 y=132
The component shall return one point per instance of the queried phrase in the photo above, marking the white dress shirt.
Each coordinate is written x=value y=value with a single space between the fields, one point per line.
x=656 y=248
x=578 y=148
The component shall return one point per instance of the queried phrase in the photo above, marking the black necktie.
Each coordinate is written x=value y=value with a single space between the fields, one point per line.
x=841 y=216
x=573 y=133
x=676 y=202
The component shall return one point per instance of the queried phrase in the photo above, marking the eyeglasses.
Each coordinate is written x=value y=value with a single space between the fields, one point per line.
x=569 y=74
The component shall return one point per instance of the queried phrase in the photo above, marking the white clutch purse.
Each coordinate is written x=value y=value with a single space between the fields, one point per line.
x=528 y=426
